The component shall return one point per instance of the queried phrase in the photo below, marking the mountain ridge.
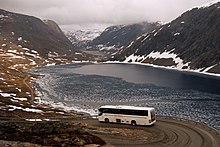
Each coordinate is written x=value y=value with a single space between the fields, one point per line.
x=121 y=35
x=31 y=29
x=192 y=37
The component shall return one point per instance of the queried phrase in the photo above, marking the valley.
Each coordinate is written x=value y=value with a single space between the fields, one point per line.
x=48 y=72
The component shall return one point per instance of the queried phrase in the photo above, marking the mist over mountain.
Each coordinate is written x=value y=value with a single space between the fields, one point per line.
x=121 y=35
x=192 y=41
x=110 y=40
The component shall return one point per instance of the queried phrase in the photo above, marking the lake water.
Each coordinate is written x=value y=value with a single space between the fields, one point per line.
x=87 y=86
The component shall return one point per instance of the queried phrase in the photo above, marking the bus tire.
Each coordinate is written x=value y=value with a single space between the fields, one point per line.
x=106 y=120
x=133 y=123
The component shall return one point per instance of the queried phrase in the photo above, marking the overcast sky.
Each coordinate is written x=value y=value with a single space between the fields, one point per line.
x=66 y=12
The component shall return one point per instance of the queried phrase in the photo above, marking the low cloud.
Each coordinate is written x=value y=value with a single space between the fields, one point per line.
x=102 y=11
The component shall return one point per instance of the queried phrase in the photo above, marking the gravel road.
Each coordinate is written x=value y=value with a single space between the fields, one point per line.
x=164 y=133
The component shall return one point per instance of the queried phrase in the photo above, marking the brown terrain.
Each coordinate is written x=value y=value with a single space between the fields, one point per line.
x=166 y=132
x=53 y=127
x=86 y=131
x=26 y=122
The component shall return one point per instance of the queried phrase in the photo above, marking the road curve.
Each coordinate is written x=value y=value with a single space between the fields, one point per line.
x=164 y=133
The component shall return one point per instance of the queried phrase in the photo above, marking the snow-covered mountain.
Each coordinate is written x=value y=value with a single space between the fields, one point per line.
x=190 y=42
x=80 y=36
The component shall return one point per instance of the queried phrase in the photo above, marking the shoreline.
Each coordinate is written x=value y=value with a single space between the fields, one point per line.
x=163 y=67
x=62 y=106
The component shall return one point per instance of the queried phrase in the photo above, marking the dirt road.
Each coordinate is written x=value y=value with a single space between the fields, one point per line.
x=164 y=133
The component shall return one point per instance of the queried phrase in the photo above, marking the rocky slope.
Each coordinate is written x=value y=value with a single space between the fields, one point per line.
x=115 y=37
x=121 y=35
x=27 y=42
x=45 y=38
x=46 y=133
x=192 y=41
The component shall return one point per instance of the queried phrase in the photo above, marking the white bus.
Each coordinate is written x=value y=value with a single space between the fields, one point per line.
x=127 y=115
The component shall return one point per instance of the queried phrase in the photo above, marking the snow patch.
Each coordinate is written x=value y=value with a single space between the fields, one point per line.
x=24 y=109
x=78 y=53
x=130 y=44
x=12 y=55
x=30 y=54
x=25 y=49
x=134 y=58
x=33 y=119
x=176 y=34
x=20 y=99
x=19 y=38
x=145 y=38
x=208 y=68
x=107 y=48
x=13 y=51
x=51 y=64
x=155 y=33
x=33 y=51
x=8 y=94
x=3 y=16
x=157 y=55
x=167 y=55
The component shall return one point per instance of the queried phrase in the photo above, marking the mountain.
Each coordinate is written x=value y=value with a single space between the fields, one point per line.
x=30 y=32
x=27 y=42
x=113 y=38
x=52 y=24
x=192 y=41
x=80 y=38
x=121 y=35
x=107 y=42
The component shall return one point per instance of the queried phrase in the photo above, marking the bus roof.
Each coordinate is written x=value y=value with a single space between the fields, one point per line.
x=126 y=107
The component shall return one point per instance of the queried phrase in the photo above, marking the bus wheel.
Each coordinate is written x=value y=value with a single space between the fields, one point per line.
x=133 y=123
x=106 y=120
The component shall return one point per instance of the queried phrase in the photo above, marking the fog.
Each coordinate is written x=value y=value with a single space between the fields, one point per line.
x=66 y=12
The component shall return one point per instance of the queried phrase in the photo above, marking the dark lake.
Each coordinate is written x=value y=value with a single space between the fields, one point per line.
x=87 y=86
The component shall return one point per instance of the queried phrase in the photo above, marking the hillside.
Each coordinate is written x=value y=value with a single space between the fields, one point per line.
x=115 y=37
x=27 y=42
x=192 y=42
x=121 y=35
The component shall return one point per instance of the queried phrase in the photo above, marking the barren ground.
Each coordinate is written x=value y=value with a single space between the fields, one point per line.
x=166 y=132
